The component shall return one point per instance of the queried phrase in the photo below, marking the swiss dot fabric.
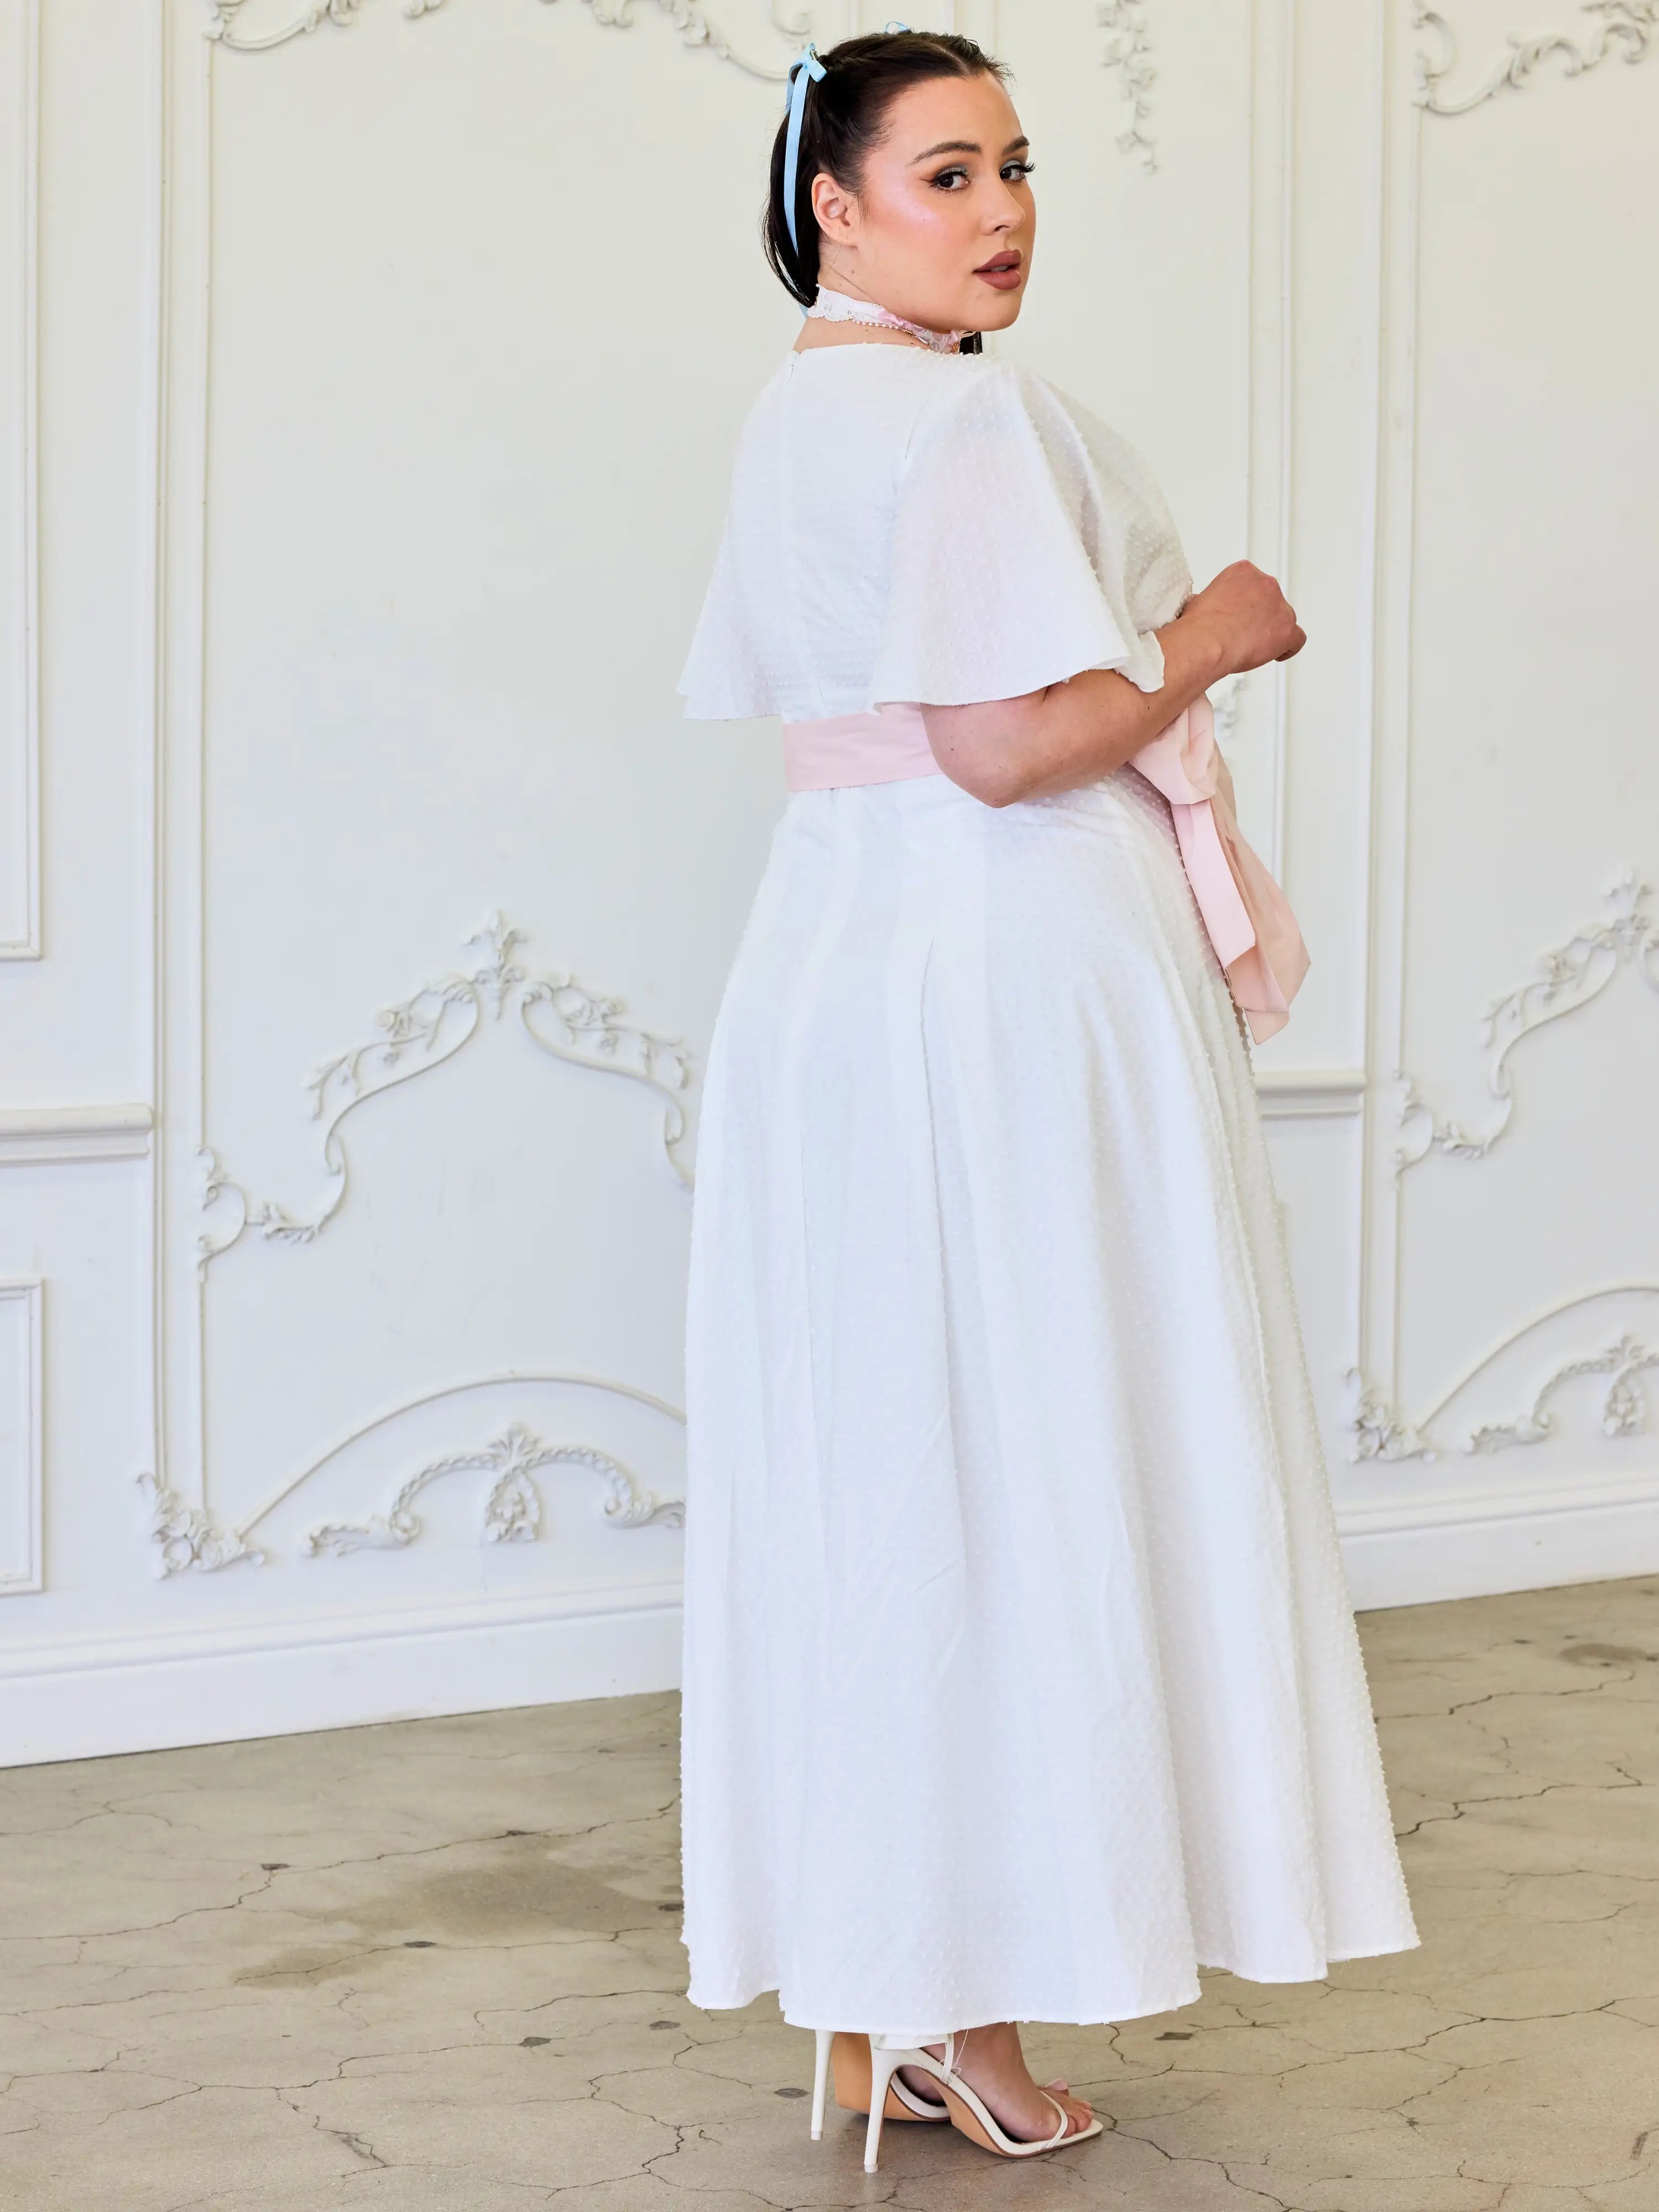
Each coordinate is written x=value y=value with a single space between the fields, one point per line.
x=1020 y=1675
x=927 y=528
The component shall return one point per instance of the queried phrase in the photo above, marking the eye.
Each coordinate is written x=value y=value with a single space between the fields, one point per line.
x=1016 y=172
x=948 y=180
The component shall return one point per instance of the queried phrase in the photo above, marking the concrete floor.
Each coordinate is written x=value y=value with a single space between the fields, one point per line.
x=434 y=1967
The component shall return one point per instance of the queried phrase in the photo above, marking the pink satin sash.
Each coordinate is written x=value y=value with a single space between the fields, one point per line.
x=888 y=746
x=1247 y=917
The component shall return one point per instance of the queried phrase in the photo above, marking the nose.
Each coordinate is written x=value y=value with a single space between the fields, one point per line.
x=1008 y=212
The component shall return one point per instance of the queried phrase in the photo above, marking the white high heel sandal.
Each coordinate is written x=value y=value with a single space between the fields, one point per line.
x=967 y=2109
x=853 y=2071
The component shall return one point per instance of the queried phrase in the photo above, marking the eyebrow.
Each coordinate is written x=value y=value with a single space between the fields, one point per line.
x=966 y=146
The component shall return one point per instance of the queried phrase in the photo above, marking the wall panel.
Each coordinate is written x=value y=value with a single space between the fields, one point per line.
x=352 y=1107
x=21 y=1484
x=20 y=699
x=1512 y=1237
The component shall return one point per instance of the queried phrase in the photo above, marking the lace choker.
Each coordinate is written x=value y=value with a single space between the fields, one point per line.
x=832 y=307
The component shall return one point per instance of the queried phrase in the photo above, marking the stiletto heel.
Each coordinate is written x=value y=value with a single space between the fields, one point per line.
x=883 y=2064
x=845 y=2060
x=821 y=2080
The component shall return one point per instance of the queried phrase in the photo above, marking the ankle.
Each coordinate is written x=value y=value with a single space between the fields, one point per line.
x=995 y=2045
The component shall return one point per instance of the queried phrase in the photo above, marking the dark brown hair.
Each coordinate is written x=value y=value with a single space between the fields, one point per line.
x=846 y=115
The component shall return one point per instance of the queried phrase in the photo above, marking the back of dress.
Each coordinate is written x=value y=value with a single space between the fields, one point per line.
x=931 y=529
x=1018 y=1678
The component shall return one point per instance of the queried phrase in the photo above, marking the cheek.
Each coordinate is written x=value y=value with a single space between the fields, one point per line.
x=920 y=212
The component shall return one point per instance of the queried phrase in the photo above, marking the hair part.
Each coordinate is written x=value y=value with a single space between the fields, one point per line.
x=845 y=115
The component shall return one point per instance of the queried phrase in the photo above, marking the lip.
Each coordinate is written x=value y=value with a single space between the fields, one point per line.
x=1004 y=271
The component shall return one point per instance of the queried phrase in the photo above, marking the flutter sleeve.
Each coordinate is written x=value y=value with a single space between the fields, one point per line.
x=1007 y=554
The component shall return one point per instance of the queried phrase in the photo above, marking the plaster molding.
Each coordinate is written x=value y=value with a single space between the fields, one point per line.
x=1572 y=975
x=1388 y=241
x=341 y=1628
x=19 y=707
x=1475 y=1507
x=1128 y=46
x=1272 y=290
x=1129 y=55
x=35 y=1135
x=186 y=1536
x=693 y=22
x=1624 y=1408
x=1223 y=705
x=512 y=1510
x=516 y=1379
x=560 y=1016
x=1377 y=1431
x=1625 y=29
x=1299 y=1094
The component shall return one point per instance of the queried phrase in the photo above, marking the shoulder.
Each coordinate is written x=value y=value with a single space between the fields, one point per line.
x=1081 y=448
x=1004 y=403
x=999 y=413
x=966 y=391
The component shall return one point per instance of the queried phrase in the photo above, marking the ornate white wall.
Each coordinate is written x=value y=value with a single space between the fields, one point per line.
x=369 y=376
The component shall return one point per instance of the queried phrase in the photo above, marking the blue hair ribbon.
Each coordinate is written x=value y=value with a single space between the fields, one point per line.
x=803 y=72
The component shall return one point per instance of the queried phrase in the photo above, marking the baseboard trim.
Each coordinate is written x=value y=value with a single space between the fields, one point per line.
x=1478 y=1544
x=225 y=1685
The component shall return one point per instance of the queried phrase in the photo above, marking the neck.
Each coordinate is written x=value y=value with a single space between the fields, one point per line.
x=835 y=305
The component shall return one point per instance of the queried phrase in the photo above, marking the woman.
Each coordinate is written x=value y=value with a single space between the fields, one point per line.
x=1020 y=1678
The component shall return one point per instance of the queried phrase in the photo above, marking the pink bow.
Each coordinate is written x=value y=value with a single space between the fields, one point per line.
x=1247 y=915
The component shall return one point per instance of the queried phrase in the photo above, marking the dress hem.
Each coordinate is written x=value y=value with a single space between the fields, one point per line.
x=1061 y=2018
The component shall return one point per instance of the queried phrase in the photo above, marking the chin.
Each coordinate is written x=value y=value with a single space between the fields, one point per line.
x=997 y=310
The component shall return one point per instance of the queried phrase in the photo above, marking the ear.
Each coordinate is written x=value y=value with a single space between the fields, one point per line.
x=835 y=209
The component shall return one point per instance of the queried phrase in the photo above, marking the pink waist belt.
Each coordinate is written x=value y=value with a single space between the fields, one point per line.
x=1246 y=915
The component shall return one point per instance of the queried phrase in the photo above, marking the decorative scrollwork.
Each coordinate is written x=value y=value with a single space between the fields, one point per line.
x=693 y=22
x=587 y=1033
x=512 y=1510
x=1624 y=1408
x=1623 y=28
x=1223 y=704
x=187 y=1535
x=421 y=1034
x=223 y=26
x=1570 y=976
x=1129 y=51
x=1377 y=1431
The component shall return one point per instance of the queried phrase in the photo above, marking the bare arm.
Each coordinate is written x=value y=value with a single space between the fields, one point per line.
x=1073 y=733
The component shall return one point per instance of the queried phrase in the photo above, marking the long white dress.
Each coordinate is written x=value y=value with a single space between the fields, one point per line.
x=1020 y=1674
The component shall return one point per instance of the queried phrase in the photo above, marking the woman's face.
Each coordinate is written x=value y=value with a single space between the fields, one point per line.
x=941 y=228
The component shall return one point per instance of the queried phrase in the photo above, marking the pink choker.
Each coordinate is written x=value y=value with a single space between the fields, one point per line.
x=832 y=307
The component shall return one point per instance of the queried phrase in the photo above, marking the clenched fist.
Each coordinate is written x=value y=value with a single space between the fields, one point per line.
x=1249 y=616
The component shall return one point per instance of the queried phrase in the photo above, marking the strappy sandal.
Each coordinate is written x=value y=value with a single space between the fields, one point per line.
x=849 y=2058
x=968 y=2112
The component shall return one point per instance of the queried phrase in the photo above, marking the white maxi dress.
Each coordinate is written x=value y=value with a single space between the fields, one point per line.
x=1021 y=1678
